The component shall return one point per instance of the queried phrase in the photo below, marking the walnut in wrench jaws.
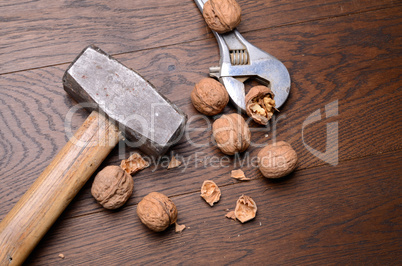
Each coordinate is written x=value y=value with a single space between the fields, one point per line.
x=260 y=104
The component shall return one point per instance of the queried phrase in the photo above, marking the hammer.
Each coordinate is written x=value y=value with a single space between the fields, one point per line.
x=122 y=103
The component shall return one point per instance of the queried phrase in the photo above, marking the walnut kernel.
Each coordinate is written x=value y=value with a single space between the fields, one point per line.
x=210 y=192
x=277 y=160
x=246 y=209
x=222 y=15
x=209 y=96
x=112 y=187
x=157 y=211
x=231 y=133
x=260 y=104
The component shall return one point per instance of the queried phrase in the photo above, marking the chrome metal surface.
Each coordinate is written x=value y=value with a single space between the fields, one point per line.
x=241 y=60
x=148 y=120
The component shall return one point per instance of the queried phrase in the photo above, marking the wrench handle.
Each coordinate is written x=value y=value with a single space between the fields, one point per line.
x=49 y=195
x=200 y=4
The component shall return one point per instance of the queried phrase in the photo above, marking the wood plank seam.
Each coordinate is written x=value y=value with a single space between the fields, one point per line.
x=240 y=182
x=210 y=36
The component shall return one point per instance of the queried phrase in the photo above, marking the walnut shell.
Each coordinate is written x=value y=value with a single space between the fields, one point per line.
x=157 y=211
x=209 y=96
x=277 y=160
x=246 y=209
x=174 y=163
x=134 y=164
x=210 y=192
x=222 y=15
x=231 y=133
x=112 y=187
x=231 y=215
x=260 y=104
x=239 y=175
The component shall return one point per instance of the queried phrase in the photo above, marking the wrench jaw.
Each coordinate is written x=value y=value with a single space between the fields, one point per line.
x=278 y=76
x=235 y=89
x=268 y=70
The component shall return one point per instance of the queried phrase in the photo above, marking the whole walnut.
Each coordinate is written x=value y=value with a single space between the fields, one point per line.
x=231 y=133
x=209 y=96
x=112 y=187
x=157 y=211
x=277 y=160
x=260 y=104
x=222 y=15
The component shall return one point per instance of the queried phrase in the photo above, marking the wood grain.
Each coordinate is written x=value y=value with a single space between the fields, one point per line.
x=34 y=106
x=40 y=33
x=344 y=51
x=37 y=210
x=343 y=215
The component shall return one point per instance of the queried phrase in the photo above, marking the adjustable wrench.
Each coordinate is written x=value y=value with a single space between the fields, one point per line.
x=241 y=60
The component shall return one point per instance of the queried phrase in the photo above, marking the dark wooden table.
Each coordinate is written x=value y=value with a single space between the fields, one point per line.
x=342 y=204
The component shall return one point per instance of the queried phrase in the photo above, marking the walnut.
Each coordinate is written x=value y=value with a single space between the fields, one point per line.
x=260 y=104
x=112 y=187
x=157 y=211
x=210 y=192
x=134 y=164
x=277 y=160
x=246 y=209
x=231 y=133
x=209 y=96
x=222 y=15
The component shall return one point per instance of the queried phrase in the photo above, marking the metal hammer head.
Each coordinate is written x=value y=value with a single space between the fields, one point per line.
x=146 y=118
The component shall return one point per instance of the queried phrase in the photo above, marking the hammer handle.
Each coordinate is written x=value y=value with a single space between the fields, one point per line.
x=49 y=195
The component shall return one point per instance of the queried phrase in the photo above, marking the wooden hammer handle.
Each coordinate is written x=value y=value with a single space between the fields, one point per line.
x=50 y=194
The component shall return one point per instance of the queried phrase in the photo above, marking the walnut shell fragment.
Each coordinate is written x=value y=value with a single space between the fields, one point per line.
x=246 y=209
x=112 y=187
x=231 y=133
x=239 y=174
x=260 y=104
x=157 y=211
x=179 y=227
x=277 y=160
x=209 y=96
x=134 y=164
x=231 y=215
x=174 y=163
x=210 y=192
x=222 y=15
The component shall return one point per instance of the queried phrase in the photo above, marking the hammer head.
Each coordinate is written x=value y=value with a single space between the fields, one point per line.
x=147 y=119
